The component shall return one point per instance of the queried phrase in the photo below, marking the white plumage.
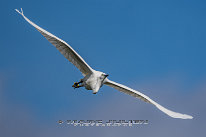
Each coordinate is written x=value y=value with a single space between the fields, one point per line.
x=94 y=80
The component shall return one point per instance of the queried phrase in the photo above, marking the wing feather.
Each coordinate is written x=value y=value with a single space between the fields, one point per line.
x=145 y=98
x=65 y=49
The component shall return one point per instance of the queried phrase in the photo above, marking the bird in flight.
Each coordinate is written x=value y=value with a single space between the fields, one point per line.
x=94 y=80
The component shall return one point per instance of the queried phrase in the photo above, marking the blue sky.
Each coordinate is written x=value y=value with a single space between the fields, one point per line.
x=156 y=47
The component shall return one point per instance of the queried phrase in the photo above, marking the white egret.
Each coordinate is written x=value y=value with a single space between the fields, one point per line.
x=94 y=80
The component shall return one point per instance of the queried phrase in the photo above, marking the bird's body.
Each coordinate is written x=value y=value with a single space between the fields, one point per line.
x=94 y=80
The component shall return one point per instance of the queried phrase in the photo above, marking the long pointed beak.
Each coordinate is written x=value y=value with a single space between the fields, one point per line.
x=106 y=75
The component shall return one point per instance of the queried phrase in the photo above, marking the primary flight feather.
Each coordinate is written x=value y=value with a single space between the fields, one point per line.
x=94 y=80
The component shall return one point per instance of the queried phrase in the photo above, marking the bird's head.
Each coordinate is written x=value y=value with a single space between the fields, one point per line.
x=105 y=75
x=101 y=75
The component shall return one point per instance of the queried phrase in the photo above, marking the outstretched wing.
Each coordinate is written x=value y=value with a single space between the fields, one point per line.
x=63 y=47
x=145 y=98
